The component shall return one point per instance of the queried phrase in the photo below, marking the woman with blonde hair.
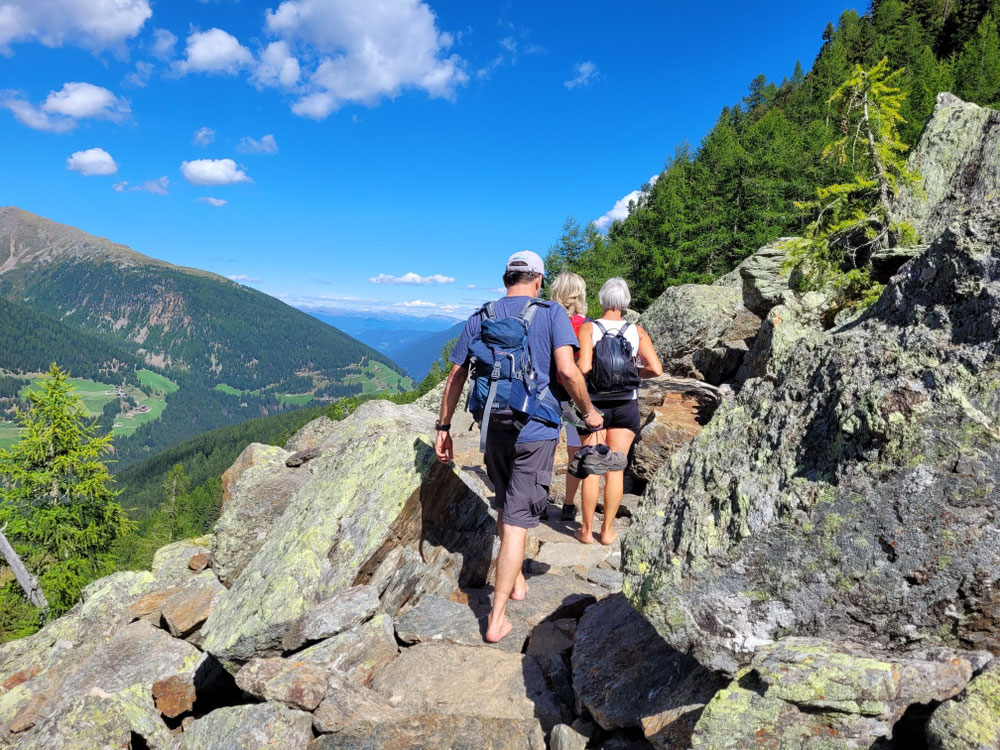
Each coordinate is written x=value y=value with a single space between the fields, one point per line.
x=570 y=291
x=614 y=355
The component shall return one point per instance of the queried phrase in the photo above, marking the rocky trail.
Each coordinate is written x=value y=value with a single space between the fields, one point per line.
x=809 y=559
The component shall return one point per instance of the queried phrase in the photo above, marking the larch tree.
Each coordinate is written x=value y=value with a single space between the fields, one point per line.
x=57 y=505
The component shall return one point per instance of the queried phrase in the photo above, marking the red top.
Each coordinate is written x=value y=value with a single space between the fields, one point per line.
x=577 y=322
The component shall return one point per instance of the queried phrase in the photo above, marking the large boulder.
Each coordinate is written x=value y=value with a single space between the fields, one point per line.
x=377 y=486
x=958 y=156
x=625 y=675
x=688 y=322
x=851 y=492
x=762 y=278
x=673 y=412
x=256 y=490
x=120 y=671
x=256 y=726
x=801 y=694
x=972 y=720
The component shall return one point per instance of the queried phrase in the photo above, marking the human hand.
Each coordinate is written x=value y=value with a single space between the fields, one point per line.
x=443 y=447
x=594 y=420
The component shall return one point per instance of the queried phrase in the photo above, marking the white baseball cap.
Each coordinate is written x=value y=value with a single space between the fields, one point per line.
x=527 y=261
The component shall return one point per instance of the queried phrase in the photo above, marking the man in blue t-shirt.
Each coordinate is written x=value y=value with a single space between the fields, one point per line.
x=519 y=463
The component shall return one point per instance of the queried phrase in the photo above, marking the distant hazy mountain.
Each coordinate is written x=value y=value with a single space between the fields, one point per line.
x=411 y=342
x=417 y=356
x=174 y=318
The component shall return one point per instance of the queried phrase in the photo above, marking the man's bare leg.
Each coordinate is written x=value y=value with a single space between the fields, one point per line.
x=509 y=563
x=520 y=589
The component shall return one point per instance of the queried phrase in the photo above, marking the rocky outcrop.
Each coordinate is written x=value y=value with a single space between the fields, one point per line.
x=375 y=488
x=690 y=322
x=958 y=156
x=971 y=721
x=805 y=693
x=851 y=491
x=256 y=490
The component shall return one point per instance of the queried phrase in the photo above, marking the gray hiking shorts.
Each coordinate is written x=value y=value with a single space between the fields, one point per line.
x=521 y=474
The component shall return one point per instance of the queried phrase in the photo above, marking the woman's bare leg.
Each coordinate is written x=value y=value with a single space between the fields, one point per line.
x=591 y=488
x=614 y=484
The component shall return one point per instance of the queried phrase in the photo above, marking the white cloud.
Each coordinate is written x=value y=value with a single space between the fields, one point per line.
x=367 y=51
x=213 y=51
x=415 y=303
x=213 y=172
x=411 y=278
x=141 y=75
x=203 y=136
x=163 y=44
x=61 y=109
x=217 y=202
x=277 y=66
x=470 y=286
x=585 y=73
x=620 y=210
x=85 y=100
x=92 y=24
x=242 y=277
x=157 y=186
x=33 y=117
x=266 y=145
x=93 y=161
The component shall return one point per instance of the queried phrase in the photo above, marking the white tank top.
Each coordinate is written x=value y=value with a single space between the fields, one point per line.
x=631 y=335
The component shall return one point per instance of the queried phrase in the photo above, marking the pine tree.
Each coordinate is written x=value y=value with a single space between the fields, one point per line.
x=56 y=499
x=855 y=218
x=175 y=486
x=567 y=249
x=977 y=68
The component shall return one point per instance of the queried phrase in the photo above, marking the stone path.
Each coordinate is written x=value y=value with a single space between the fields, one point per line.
x=526 y=678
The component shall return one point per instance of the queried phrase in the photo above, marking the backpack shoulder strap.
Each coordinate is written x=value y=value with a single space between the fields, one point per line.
x=528 y=313
x=621 y=331
x=600 y=327
x=488 y=311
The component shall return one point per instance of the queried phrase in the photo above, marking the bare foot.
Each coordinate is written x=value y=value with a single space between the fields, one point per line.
x=608 y=538
x=583 y=538
x=521 y=589
x=497 y=634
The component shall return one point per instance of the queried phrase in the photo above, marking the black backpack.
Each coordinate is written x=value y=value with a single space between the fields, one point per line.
x=614 y=373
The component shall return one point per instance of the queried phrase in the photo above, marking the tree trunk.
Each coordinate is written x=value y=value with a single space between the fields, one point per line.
x=28 y=582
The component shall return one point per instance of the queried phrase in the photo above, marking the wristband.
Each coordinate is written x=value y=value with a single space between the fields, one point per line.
x=442 y=427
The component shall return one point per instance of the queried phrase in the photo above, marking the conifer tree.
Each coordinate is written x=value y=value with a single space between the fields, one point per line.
x=175 y=486
x=56 y=500
x=855 y=218
x=977 y=69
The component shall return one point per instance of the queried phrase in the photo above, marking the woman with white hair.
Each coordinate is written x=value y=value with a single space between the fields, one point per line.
x=614 y=354
x=570 y=291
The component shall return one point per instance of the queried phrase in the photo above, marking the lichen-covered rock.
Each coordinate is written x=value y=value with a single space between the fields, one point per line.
x=312 y=436
x=972 y=720
x=765 y=280
x=340 y=612
x=256 y=489
x=360 y=653
x=258 y=726
x=787 y=322
x=172 y=564
x=692 y=317
x=958 y=156
x=852 y=492
x=808 y=693
x=294 y=683
x=376 y=487
x=120 y=670
x=351 y=708
x=625 y=675
x=191 y=604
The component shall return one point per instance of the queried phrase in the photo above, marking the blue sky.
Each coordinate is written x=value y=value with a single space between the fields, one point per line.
x=354 y=140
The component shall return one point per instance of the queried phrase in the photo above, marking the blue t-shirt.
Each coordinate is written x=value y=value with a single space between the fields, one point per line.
x=549 y=329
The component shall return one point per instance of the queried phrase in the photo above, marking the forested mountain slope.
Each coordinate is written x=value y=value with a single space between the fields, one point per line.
x=178 y=319
x=715 y=204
